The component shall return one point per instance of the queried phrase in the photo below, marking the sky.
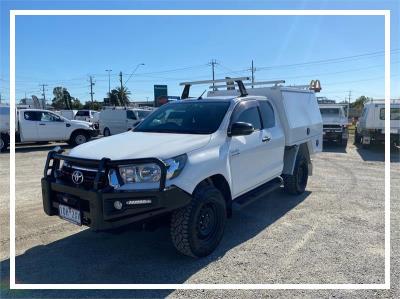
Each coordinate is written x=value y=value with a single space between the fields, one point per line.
x=344 y=52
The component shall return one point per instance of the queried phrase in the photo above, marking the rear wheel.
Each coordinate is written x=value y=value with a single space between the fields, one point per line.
x=197 y=229
x=3 y=143
x=297 y=182
x=106 y=132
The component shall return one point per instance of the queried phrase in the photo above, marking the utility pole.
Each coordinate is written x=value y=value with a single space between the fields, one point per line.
x=91 y=88
x=43 y=92
x=122 y=88
x=213 y=63
x=109 y=82
x=348 y=104
x=252 y=73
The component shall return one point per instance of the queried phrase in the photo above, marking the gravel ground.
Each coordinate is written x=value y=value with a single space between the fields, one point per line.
x=334 y=233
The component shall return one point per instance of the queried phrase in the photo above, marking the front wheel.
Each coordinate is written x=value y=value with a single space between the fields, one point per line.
x=357 y=137
x=197 y=229
x=78 y=138
x=297 y=182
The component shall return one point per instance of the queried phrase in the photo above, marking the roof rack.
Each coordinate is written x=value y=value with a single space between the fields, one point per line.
x=238 y=81
x=274 y=82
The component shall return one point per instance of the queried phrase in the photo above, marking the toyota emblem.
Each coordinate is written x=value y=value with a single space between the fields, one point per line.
x=77 y=177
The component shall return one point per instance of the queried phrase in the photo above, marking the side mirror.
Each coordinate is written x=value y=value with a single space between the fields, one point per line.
x=241 y=129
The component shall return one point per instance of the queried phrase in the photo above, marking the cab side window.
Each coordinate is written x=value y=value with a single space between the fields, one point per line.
x=46 y=116
x=130 y=114
x=267 y=114
x=250 y=116
x=32 y=115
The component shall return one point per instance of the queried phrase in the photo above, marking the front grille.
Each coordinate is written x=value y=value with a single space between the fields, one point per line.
x=89 y=176
x=332 y=126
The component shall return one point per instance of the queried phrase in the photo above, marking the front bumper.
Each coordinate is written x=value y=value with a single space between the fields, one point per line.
x=335 y=134
x=94 y=133
x=96 y=204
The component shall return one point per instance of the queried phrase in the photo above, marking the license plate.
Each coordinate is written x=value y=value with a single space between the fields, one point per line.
x=70 y=214
x=393 y=131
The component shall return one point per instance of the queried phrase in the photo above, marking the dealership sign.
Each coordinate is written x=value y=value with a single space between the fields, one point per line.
x=160 y=95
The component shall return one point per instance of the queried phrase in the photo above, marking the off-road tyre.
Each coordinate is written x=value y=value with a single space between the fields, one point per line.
x=4 y=142
x=78 y=137
x=343 y=142
x=197 y=229
x=296 y=183
x=357 y=137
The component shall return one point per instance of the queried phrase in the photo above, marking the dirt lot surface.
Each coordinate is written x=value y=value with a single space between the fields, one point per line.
x=334 y=233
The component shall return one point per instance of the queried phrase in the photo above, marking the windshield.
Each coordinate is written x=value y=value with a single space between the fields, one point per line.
x=185 y=118
x=143 y=113
x=82 y=113
x=329 y=111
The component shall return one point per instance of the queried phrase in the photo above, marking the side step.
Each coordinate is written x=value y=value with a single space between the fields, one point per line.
x=253 y=195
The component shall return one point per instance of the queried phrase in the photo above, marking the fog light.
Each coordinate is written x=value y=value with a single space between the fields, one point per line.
x=118 y=205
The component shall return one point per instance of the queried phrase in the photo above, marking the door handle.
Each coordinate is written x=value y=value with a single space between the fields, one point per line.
x=42 y=124
x=235 y=152
x=266 y=139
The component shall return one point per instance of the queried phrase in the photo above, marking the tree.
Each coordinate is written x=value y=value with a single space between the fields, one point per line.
x=93 y=105
x=119 y=97
x=360 y=102
x=63 y=100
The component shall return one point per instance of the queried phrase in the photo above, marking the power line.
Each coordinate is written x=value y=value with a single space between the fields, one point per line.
x=331 y=60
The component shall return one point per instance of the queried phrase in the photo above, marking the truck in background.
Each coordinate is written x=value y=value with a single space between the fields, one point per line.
x=4 y=127
x=370 y=127
x=115 y=120
x=335 y=123
x=37 y=125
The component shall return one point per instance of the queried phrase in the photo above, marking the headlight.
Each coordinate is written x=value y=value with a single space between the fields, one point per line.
x=175 y=166
x=141 y=173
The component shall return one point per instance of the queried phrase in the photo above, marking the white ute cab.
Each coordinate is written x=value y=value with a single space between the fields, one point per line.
x=193 y=162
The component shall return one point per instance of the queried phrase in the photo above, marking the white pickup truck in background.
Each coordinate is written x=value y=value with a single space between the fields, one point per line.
x=37 y=125
x=4 y=127
x=335 y=123
x=371 y=125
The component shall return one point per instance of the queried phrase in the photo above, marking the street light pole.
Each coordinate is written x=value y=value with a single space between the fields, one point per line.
x=134 y=71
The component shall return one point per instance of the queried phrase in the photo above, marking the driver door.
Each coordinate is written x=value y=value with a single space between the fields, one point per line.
x=246 y=153
x=51 y=127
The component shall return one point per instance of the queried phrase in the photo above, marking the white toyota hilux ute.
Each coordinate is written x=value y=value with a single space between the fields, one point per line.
x=192 y=162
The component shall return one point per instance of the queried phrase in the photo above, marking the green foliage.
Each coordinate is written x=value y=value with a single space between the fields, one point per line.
x=93 y=106
x=359 y=103
x=63 y=100
x=119 y=97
